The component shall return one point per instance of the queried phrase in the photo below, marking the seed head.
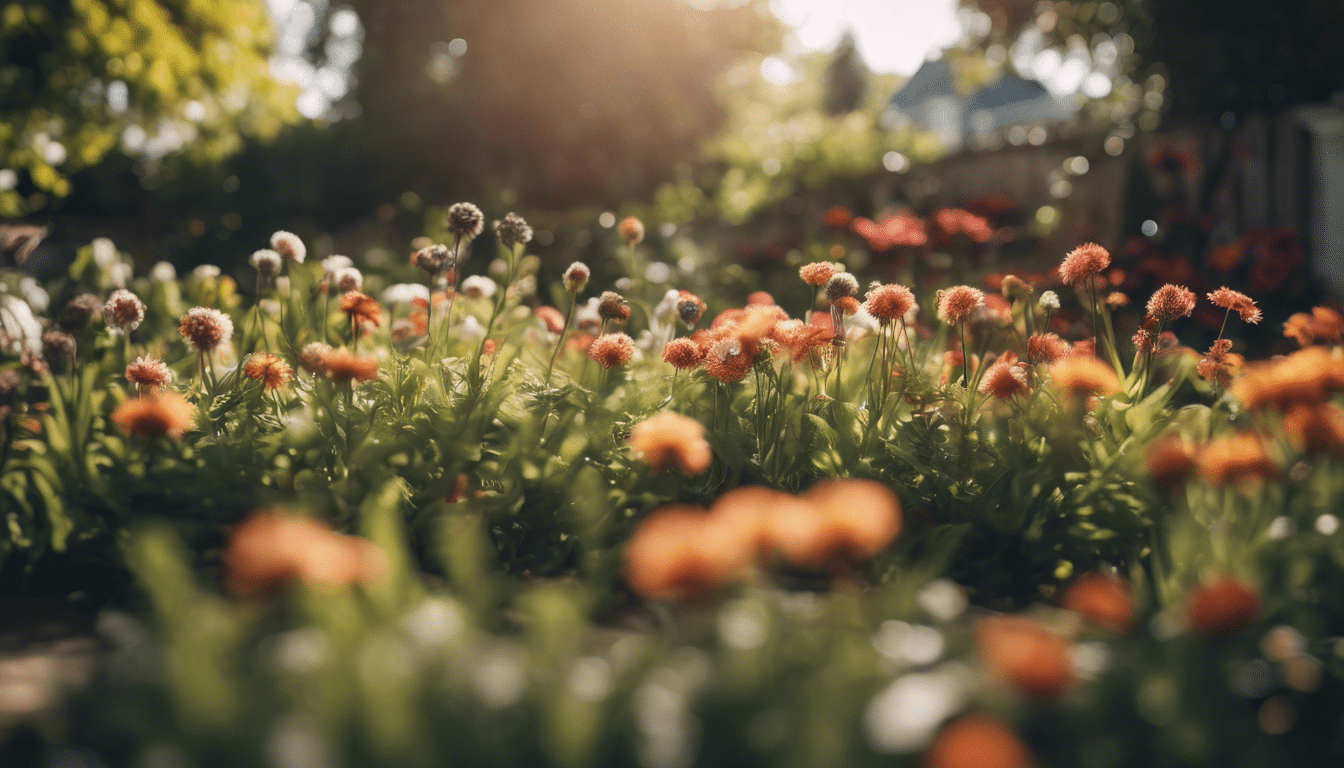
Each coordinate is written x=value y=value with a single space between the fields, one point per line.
x=512 y=230
x=289 y=245
x=841 y=285
x=612 y=306
x=266 y=261
x=465 y=220
x=78 y=312
x=124 y=311
x=205 y=328
x=433 y=259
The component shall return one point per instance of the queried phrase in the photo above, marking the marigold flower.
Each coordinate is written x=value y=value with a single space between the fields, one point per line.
x=465 y=220
x=1171 y=460
x=270 y=550
x=1321 y=324
x=124 y=311
x=1171 y=302
x=690 y=308
x=1104 y=599
x=362 y=308
x=672 y=440
x=148 y=373
x=631 y=230
x=611 y=306
x=155 y=415
x=576 y=277
x=78 y=312
x=841 y=285
x=817 y=273
x=1004 y=379
x=888 y=303
x=1046 y=348
x=1084 y=376
x=1239 y=458
x=269 y=369
x=1222 y=607
x=956 y=305
x=977 y=741
x=1240 y=303
x=343 y=366
x=1083 y=262
x=1315 y=429
x=289 y=245
x=266 y=261
x=513 y=230
x=1025 y=655
x=612 y=349
x=205 y=329
x=678 y=552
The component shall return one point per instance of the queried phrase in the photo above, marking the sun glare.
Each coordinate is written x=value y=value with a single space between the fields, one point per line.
x=895 y=36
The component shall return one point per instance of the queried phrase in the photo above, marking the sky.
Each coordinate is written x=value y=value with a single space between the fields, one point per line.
x=894 y=36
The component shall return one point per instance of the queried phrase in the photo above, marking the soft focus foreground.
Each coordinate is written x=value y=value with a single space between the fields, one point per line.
x=410 y=516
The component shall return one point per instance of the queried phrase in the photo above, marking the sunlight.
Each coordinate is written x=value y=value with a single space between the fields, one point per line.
x=895 y=36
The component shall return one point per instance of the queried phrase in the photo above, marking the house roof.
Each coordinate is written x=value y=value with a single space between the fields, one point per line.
x=933 y=79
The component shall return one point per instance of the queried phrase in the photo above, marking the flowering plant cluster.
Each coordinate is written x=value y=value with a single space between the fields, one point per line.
x=509 y=517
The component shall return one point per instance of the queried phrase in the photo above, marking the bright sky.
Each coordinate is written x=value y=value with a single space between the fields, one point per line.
x=895 y=36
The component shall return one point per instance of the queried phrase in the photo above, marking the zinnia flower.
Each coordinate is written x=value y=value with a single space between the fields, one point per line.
x=611 y=349
x=124 y=311
x=343 y=366
x=957 y=304
x=205 y=329
x=1171 y=302
x=269 y=369
x=313 y=357
x=148 y=374
x=730 y=359
x=155 y=415
x=1220 y=364
x=1082 y=263
x=672 y=440
x=1306 y=376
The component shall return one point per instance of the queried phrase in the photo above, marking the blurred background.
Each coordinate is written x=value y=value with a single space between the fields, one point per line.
x=1183 y=140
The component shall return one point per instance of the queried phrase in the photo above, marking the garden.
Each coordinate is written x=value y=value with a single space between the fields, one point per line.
x=793 y=447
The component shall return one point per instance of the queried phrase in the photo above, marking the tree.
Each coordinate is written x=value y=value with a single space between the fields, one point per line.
x=156 y=77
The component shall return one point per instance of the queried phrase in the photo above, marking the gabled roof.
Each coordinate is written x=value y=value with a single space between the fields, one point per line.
x=933 y=79
x=1010 y=100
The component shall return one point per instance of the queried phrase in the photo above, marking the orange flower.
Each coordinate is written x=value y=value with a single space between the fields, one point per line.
x=1306 y=376
x=270 y=550
x=677 y=553
x=343 y=366
x=865 y=514
x=612 y=349
x=730 y=359
x=837 y=217
x=670 y=439
x=148 y=373
x=362 y=309
x=760 y=299
x=1083 y=262
x=1171 y=460
x=1239 y=458
x=1220 y=363
x=1046 y=348
x=1005 y=378
x=552 y=317
x=1025 y=655
x=1104 y=599
x=903 y=228
x=817 y=273
x=631 y=230
x=1323 y=324
x=1084 y=375
x=889 y=302
x=955 y=305
x=267 y=368
x=682 y=354
x=690 y=308
x=1171 y=302
x=977 y=741
x=1222 y=607
x=1315 y=429
x=1234 y=301
x=155 y=415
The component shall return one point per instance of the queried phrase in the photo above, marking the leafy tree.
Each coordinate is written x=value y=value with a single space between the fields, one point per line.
x=157 y=77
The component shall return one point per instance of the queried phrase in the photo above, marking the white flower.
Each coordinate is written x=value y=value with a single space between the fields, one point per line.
x=266 y=261
x=332 y=264
x=104 y=252
x=472 y=329
x=19 y=330
x=478 y=287
x=34 y=294
x=405 y=293
x=205 y=272
x=162 y=272
x=1049 y=301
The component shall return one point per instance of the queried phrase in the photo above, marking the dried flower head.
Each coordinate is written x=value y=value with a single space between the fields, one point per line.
x=58 y=348
x=631 y=230
x=683 y=354
x=576 y=277
x=266 y=261
x=313 y=356
x=513 y=230
x=289 y=245
x=690 y=308
x=841 y=285
x=124 y=311
x=1046 y=348
x=977 y=741
x=148 y=374
x=1026 y=655
x=269 y=369
x=1083 y=262
x=1221 y=607
x=611 y=306
x=1321 y=324
x=1005 y=379
x=1220 y=363
x=78 y=312
x=1238 y=458
x=347 y=279
x=1104 y=599
x=1234 y=301
x=612 y=349
x=163 y=413
x=818 y=272
x=888 y=302
x=433 y=259
x=205 y=329
x=672 y=440
x=1049 y=301
x=362 y=309
x=465 y=220
x=1084 y=375
x=343 y=366
x=1171 y=302
x=956 y=305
